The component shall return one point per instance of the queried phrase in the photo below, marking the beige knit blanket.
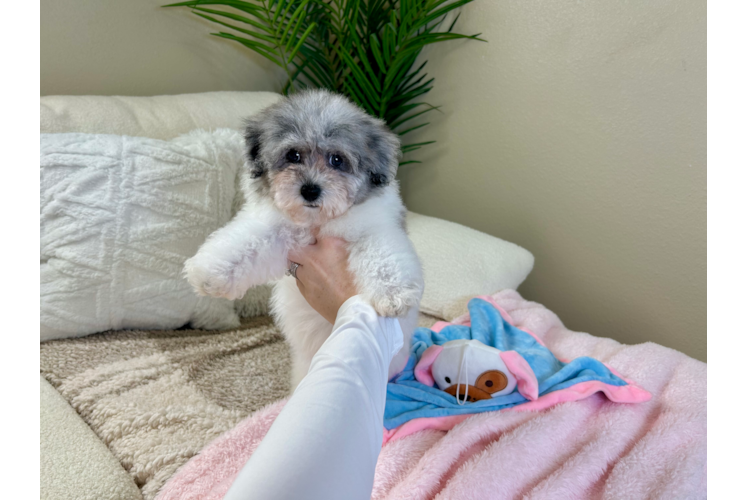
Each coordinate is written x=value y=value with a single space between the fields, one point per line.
x=156 y=398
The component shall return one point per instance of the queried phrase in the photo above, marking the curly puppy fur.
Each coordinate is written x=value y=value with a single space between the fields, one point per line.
x=315 y=161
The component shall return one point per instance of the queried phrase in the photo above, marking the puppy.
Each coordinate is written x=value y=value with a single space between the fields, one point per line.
x=314 y=162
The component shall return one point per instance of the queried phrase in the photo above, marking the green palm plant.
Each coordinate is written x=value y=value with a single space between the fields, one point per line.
x=364 y=49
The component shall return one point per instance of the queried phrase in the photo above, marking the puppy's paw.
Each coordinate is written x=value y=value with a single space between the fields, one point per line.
x=396 y=303
x=389 y=307
x=212 y=279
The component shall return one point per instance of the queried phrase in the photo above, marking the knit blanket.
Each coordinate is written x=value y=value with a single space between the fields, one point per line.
x=156 y=398
x=589 y=448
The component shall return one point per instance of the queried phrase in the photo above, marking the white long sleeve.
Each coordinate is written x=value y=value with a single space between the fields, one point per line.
x=326 y=441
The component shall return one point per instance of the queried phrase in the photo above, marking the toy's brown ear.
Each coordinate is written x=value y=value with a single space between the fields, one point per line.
x=492 y=381
x=467 y=392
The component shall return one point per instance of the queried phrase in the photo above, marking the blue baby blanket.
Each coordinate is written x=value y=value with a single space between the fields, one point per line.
x=557 y=381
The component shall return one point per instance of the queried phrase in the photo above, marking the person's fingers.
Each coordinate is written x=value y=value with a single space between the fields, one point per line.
x=302 y=255
x=299 y=255
x=334 y=244
x=312 y=254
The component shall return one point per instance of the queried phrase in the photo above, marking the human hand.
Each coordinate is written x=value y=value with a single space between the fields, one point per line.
x=323 y=277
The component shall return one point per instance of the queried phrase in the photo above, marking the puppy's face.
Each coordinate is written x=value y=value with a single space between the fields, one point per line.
x=316 y=154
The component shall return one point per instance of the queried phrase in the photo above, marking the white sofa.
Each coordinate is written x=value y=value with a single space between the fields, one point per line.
x=458 y=263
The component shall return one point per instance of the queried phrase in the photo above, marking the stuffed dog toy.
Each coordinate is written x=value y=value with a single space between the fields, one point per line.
x=470 y=370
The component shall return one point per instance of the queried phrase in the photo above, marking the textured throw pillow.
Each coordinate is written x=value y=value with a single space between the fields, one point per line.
x=119 y=216
x=460 y=263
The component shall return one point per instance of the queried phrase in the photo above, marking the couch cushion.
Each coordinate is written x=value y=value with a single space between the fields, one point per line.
x=460 y=263
x=158 y=117
x=75 y=464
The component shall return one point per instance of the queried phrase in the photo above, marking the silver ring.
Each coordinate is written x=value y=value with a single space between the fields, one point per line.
x=292 y=270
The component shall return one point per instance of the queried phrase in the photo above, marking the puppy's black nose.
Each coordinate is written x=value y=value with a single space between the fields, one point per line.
x=310 y=192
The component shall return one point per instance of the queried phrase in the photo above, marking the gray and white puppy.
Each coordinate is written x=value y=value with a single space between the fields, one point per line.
x=316 y=162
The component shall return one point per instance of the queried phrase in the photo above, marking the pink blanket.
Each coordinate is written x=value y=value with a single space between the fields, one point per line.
x=591 y=448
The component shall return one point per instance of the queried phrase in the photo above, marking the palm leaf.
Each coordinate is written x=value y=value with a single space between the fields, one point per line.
x=364 y=49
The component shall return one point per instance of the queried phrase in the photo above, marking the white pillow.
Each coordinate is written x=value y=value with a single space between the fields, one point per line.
x=460 y=263
x=119 y=216
x=159 y=117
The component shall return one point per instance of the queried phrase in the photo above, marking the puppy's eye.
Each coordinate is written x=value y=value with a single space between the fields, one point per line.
x=448 y=380
x=336 y=161
x=293 y=156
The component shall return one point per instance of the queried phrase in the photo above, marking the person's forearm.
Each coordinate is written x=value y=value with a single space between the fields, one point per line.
x=325 y=442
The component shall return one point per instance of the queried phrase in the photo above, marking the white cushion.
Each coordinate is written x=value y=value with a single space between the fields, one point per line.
x=119 y=216
x=460 y=263
x=74 y=463
x=158 y=117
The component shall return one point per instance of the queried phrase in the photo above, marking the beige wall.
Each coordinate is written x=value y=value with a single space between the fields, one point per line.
x=135 y=47
x=579 y=132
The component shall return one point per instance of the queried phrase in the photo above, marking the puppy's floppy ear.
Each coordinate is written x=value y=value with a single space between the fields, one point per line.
x=382 y=153
x=252 y=135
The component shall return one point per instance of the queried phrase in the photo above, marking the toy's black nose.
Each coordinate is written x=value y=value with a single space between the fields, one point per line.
x=310 y=192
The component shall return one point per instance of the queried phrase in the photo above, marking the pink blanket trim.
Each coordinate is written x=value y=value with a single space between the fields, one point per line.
x=527 y=382
x=592 y=449
x=420 y=424
x=422 y=370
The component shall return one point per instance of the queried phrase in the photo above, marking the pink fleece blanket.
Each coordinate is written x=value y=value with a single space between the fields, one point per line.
x=592 y=448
